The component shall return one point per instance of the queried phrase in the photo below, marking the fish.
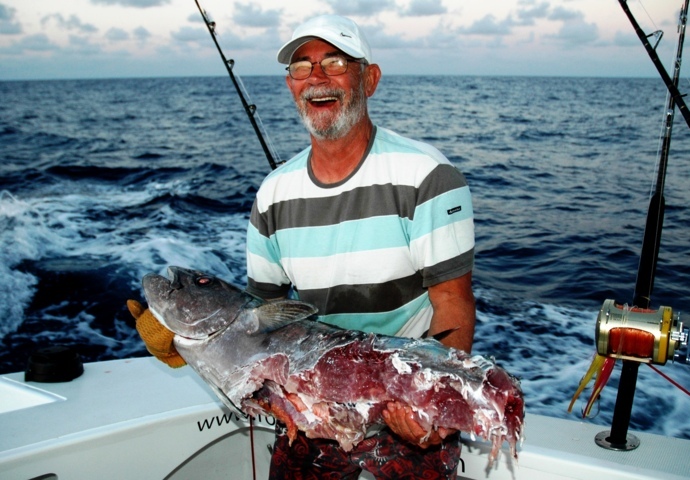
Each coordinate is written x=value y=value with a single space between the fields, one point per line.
x=276 y=358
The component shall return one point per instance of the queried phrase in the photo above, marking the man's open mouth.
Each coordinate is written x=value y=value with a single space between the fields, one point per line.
x=322 y=97
x=323 y=100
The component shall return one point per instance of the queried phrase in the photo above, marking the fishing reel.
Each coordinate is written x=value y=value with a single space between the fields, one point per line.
x=641 y=335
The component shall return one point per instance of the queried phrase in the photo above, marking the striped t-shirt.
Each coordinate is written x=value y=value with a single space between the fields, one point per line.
x=364 y=250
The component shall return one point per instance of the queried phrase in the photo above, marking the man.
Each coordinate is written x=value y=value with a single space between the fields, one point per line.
x=374 y=229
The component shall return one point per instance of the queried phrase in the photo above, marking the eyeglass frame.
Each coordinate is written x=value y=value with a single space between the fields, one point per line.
x=348 y=60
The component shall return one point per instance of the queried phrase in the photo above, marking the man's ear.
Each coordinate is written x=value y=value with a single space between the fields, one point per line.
x=372 y=75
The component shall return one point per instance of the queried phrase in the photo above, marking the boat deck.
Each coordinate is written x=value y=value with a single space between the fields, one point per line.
x=139 y=419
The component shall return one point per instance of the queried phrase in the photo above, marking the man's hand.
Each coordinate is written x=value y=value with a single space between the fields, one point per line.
x=157 y=338
x=403 y=422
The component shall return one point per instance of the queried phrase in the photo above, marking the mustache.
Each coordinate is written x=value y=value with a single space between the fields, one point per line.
x=321 y=92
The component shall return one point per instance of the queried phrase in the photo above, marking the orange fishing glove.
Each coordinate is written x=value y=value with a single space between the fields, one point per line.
x=157 y=338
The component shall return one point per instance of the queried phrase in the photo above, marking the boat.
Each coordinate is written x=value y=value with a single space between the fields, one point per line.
x=138 y=419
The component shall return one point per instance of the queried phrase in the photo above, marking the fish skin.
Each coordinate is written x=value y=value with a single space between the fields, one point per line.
x=328 y=382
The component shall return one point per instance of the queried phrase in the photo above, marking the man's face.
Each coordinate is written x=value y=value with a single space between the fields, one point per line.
x=329 y=105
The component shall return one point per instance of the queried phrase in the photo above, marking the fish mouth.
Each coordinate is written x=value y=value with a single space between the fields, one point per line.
x=177 y=331
x=206 y=335
x=158 y=316
x=199 y=334
x=163 y=296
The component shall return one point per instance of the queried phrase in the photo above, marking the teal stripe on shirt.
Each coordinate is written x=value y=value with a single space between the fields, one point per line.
x=298 y=162
x=456 y=206
x=387 y=323
x=259 y=245
x=347 y=237
x=389 y=142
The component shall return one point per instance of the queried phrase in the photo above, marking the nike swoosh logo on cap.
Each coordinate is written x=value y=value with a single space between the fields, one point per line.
x=343 y=35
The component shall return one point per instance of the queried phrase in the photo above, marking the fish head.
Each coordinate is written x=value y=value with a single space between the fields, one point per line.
x=193 y=304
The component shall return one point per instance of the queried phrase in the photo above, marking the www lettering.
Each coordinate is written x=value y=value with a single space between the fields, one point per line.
x=218 y=420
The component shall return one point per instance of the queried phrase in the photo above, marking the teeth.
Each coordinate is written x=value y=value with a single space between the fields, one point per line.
x=324 y=99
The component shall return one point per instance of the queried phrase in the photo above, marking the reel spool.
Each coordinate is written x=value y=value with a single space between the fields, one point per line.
x=641 y=335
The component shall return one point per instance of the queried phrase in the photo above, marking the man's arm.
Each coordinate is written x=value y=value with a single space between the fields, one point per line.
x=453 y=304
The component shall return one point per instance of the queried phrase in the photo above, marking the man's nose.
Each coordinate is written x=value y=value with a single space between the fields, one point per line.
x=318 y=75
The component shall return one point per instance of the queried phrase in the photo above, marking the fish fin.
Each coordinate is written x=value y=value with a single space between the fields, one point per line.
x=602 y=378
x=272 y=316
x=441 y=335
x=595 y=366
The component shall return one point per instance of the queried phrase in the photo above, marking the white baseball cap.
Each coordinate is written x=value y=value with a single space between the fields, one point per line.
x=339 y=31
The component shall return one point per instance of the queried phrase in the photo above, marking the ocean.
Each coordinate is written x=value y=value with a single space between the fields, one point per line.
x=103 y=181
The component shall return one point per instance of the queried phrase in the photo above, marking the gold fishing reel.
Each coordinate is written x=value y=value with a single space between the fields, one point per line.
x=641 y=335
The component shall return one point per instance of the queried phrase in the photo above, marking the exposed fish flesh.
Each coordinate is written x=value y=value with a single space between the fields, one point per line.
x=328 y=382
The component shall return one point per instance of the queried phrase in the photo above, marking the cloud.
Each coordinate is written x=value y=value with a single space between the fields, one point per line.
x=7 y=24
x=575 y=31
x=140 y=33
x=379 y=40
x=228 y=40
x=566 y=15
x=195 y=18
x=249 y=15
x=488 y=25
x=626 y=39
x=71 y=23
x=116 y=35
x=188 y=34
x=132 y=3
x=360 y=7
x=38 y=43
x=423 y=8
x=527 y=16
x=443 y=37
x=82 y=46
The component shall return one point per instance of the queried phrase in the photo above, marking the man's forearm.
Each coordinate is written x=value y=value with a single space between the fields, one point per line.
x=454 y=309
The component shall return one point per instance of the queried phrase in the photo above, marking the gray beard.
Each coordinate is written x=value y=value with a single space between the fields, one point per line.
x=347 y=118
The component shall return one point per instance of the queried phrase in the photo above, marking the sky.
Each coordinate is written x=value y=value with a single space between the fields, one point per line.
x=58 y=39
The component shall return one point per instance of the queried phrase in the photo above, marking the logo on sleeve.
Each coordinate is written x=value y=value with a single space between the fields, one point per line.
x=455 y=210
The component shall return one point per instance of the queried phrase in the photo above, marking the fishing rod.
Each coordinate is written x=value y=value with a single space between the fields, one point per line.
x=655 y=213
x=250 y=109
x=627 y=332
x=651 y=51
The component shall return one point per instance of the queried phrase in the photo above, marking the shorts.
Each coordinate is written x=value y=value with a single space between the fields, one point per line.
x=383 y=454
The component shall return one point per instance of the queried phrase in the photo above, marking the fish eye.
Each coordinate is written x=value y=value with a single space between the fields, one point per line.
x=203 y=281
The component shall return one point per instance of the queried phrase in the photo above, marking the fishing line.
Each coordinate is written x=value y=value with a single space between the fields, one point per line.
x=659 y=149
x=251 y=445
x=621 y=331
x=673 y=382
x=648 y=15
x=633 y=341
